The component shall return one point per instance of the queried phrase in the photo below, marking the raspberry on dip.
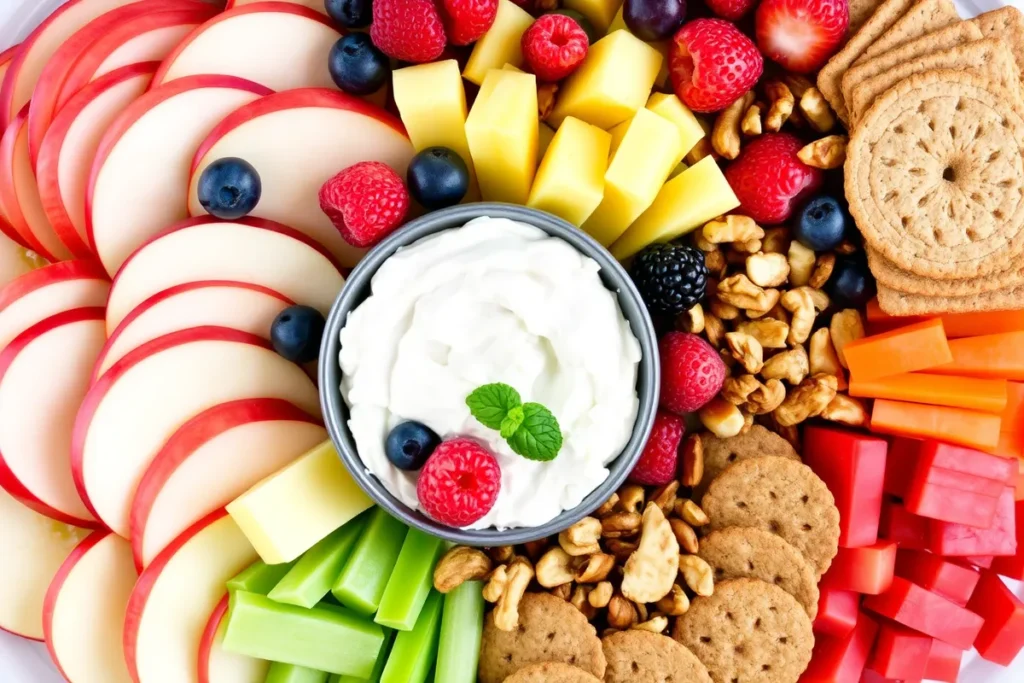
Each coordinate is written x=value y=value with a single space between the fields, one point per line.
x=495 y=301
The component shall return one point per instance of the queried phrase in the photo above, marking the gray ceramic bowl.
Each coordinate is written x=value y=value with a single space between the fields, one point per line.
x=357 y=288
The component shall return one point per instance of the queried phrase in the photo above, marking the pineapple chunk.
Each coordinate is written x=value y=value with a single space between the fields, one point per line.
x=672 y=108
x=601 y=13
x=619 y=24
x=501 y=44
x=570 y=180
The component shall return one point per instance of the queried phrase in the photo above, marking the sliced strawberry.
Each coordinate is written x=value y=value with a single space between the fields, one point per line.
x=801 y=35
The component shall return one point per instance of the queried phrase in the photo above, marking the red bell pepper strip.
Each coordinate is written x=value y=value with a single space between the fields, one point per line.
x=866 y=570
x=1002 y=635
x=902 y=527
x=842 y=660
x=900 y=653
x=959 y=540
x=1013 y=566
x=966 y=461
x=900 y=465
x=930 y=613
x=951 y=505
x=943 y=662
x=837 y=612
x=948 y=579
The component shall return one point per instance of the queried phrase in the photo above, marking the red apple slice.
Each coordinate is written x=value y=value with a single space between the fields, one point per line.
x=140 y=174
x=321 y=132
x=171 y=605
x=40 y=45
x=238 y=305
x=6 y=57
x=230 y=448
x=34 y=548
x=44 y=375
x=84 y=610
x=217 y=665
x=279 y=44
x=318 y=5
x=50 y=290
x=69 y=147
x=16 y=260
x=250 y=250
x=89 y=46
x=131 y=411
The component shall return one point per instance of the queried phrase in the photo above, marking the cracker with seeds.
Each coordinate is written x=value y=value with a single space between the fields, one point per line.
x=643 y=657
x=719 y=453
x=1006 y=23
x=551 y=672
x=861 y=11
x=927 y=16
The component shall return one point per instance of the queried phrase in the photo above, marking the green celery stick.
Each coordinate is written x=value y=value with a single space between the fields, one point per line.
x=259 y=577
x=362 y=581
x=315 y=572
x=410 y=582
x=462 y=624
x=414 y=652
x=289 y=673
x=382 y=659
x=332 y=640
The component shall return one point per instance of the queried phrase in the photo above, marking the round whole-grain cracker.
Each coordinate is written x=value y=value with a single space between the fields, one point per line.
x=782 y=496
x=551 y=672
x=550 y=630
x=746 y=552
x=719 y=452
x=748 y=631
x=643 y=657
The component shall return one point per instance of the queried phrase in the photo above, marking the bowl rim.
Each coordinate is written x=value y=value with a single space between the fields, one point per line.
x=357 y=287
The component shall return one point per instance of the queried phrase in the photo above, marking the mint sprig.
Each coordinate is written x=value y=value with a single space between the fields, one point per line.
x=531 y=430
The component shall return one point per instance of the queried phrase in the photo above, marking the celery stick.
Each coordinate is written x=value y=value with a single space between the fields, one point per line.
x=315 y=572
x=462 y=625
x=362 y=581
x=382 y=659
x=289 y=673
x=414 y=652
x=259 y=577
x=410 y=582
x=332 y=640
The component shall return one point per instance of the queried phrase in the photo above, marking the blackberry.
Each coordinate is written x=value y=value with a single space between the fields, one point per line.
x=671 y=278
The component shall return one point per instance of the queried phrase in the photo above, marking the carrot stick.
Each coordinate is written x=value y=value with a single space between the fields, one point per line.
x=987 y=395
x=1000 y=356
x=956 y=425
x=908 y=349
x=1010 y=445
x=957 y=325
x=1013 y=415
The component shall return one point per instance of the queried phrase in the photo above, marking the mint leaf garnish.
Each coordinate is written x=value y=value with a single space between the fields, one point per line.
x=539 y=437
x=491 y=403
x=512 y=421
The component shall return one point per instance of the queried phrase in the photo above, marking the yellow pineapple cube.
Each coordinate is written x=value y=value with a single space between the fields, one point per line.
x=546 y=135
x=688 y=201
x=619 y=24
x=503 y=130
x=647 y=151
x=673 y=109
x=601 y=13
x=570 y=179
x=612 y=83
x=501 y=45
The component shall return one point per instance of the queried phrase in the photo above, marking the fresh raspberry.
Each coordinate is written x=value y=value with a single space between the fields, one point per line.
x=460 y=483
x=657 y=464
x=712 y=64
x=692 y=372
x=366 y=202
x=801 y=34
x=408 y=30
x=769 y=179
x=730 y=9
x=467 y=20
x=554 y=46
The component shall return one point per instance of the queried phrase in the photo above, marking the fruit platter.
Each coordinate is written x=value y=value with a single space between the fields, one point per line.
x=511 y=341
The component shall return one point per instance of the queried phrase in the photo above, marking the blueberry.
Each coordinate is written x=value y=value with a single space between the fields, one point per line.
x=821 y=224
x=438 y=178
x=410 y=444
x=357 y=66
x=350 y=13
x=654 y=19
x=851 y=284
x=296 y=333
x=229 y=188
x=592 y=35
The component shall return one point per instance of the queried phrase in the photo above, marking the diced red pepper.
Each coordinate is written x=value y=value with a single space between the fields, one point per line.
x=863 y=570
x=982 y=561
x=943 y=662
x=966 y=461
x=900 y=652
x=958 y=540
x=1013 y=566
x=842 y=660
x=837 y=612
x=1002 y=635
x=951 y=505
x=853 y=467
x=900 y=464
x=940 y=576
x=940 y=476
x=930 y=613
x=905 y=528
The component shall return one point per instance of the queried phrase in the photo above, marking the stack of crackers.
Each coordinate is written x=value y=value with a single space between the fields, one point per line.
x=934 y=170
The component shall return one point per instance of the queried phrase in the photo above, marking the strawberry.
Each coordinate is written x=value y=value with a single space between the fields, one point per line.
x=712 y=64
x=467 y=20
x=408 y=30
x=657 y=464
x=554 y=46
x=801 y=34
x=769 y=179
x=732 y=10
x=366 y=202
x=692 y=372
x=460 y=482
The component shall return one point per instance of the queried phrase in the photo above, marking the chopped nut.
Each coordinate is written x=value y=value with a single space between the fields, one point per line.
x=698 y=575
x=732 y=228
x=767 y=270
x=692 y=514
x=534 y=549
x=782 y=103
x=641 y=611
x=651 y=570
x=693 y=460
x=506 y=612
x=458 y=565
x=789 y=432
x=704 y=245
x=656 y=624
x=776 y=241
x=600 y=595
x=675 y=604
x=739 y=291
x=726 y=356
x=721 y=418
x=802 y=302
x=691 y=321
x=495 y=586
x=769 y=333
x=750 y=125
x=699 y=151
x=555 y=568
x=631 y=498
x=714 y=330
x=607 y=507
x=580 y=600
x=807 y=400
x=766 y=398
x=746 y=350
x=816 y=110
x=779 y=313
x=735 y=390
x=846 y=247
x=846 y=326
x=725 y=136
x=501 y=554
x=621 y=612
x=748 y=422
x=620 y=549
x=823 y=357
x=582 y=537
x=621 y=525
x=546 y=99
x=822 y=271
x=685 y=535
x=798 y=83
x=827 y=153
x=847 y=410
x=771 y=298
x=564 y=591
x=801 y=263
x=595 y=568
x=747 y=247
x=665 y=496
x=724 y=311
x=791 y=366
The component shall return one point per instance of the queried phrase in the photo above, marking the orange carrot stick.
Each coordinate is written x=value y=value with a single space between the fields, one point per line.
x=956 y=425
x=1013 y=414
x=986 y=395
x=908 y=349
x=999 y=356
x=957 y=325
x=1010 y=445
